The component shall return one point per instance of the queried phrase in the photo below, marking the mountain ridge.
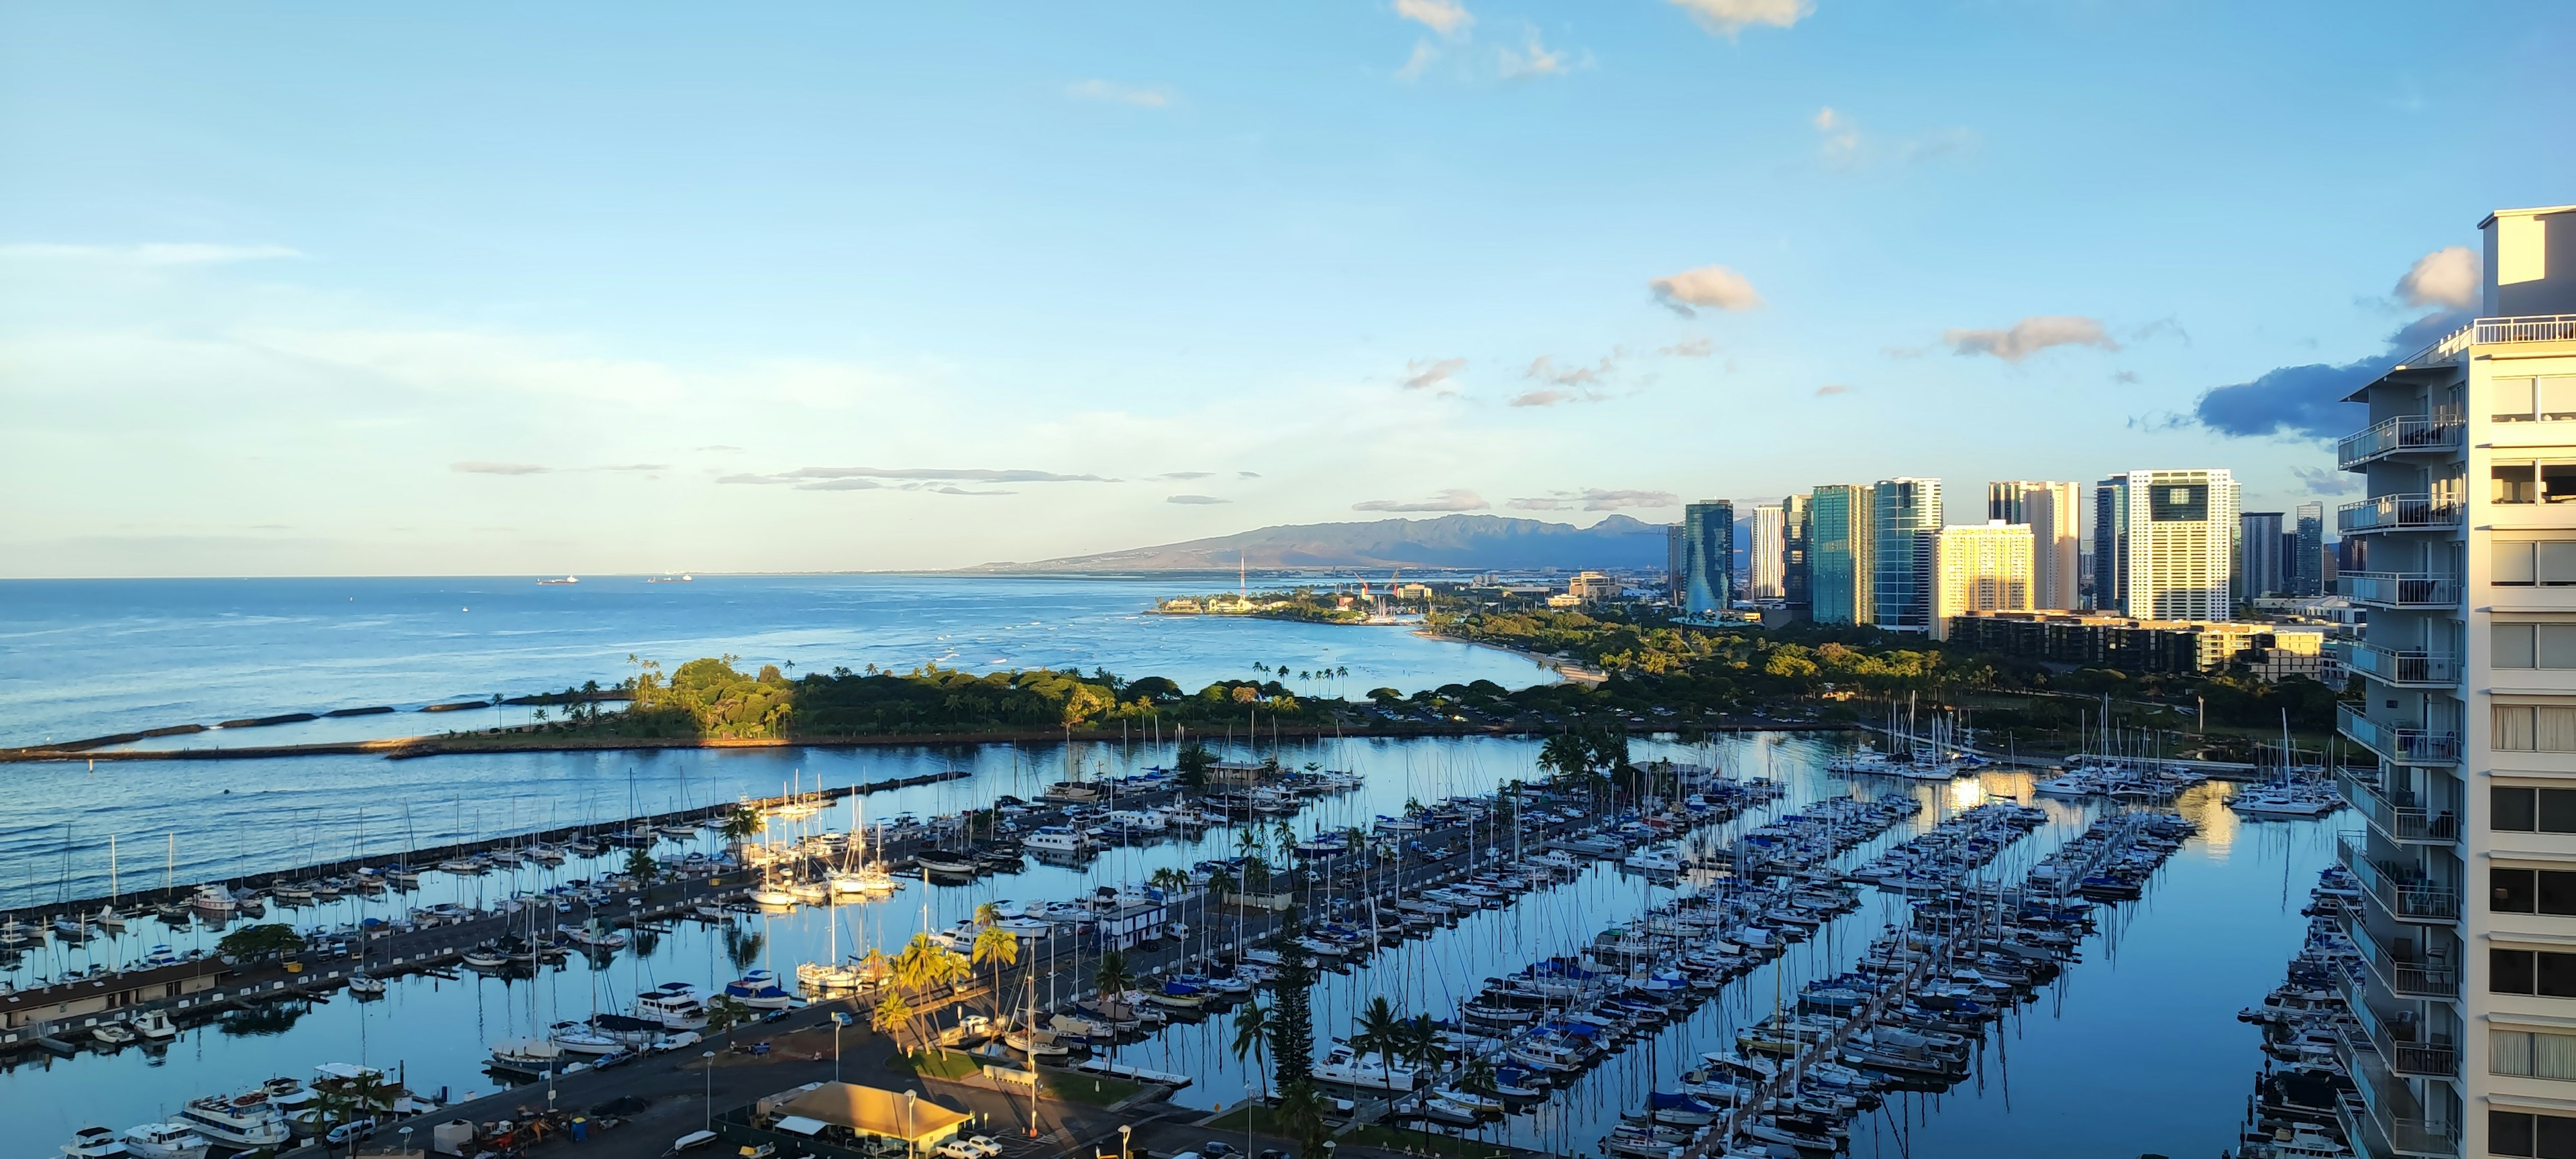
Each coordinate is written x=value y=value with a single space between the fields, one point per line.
x=1472 y=542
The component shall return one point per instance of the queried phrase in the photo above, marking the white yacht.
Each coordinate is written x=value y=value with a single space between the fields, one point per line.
x=1053 y=839
x=94 y=1143
x=531 y=1056
x=213 y=899
x=241 y=1121
x=165 y=1141
x=583 y=1038
x=1373 y=1072
x=155 y=1025
x=674 y=1004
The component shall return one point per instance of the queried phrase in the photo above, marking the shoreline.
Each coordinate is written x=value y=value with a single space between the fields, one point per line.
x=1567 y=671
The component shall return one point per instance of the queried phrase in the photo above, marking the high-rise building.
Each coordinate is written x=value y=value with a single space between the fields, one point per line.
x=1708 y=558
x=1985 y=568
x=1841 y=549
x=1767 y=550
x=1673 y=565
x=1907 y=513
x=2259 y=570
x=2462 y=1041
x=2050 y=510
x=1796 y=578
x=2110 y=542
x=2178 y=555
x=2309 y=559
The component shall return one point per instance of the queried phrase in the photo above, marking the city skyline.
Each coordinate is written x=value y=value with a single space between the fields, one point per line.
x=330 y=294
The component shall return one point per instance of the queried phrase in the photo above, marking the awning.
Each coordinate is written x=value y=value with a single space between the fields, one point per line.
x=871 y=1111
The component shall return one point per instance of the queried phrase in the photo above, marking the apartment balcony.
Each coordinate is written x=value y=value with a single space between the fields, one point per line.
x=2402 y=668
x=2399 y=820
x=2446 y=350
x=2402 y=970
x=2398 y=513
x=2405 y=746
x=2391 y=589
x=2403 y=435
x=2401 y=1046
x=2400 y=892
x=2383 y=1110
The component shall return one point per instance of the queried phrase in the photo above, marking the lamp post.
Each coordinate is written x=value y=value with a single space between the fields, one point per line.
x=840 y=1018
x=1123 y=1129
x=406 y=1140
x=911 y=1133
x=709 y=1058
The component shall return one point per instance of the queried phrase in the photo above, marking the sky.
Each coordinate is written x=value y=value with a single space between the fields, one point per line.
x=295 y=289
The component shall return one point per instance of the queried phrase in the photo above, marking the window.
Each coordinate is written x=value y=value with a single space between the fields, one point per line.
x=2524 y=891
x=2540 y=973
x=2558 y=482
x=2531 y=1136
x=2514 y=399
x=2558 y=396
x=2514 y=483
x=2543 y=562
x=2520 y=810
x=2535 y=645
x=2531 y=1054
x=2525 y=728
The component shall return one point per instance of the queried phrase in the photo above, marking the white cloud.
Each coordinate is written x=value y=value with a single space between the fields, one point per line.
x=2030 y=336
x=147 y=254
x=1713 y=287
x=1453 y=499
x=1545 y=369
x=1194 y=500
x=1831 y=389
x=1446 y=17
x=1538 y=60
x=1728 y=17
x=481 y=467
x=1101 y=90
x=1841 y=136
x=1423 y=373
x=1423 y=55
x=2448 y=277
x=1597 y=499
x=1688 y=348
x=1542 y=397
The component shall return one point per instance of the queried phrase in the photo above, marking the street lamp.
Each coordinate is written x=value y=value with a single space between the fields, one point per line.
x=709 y=1060
x=1123 y=1129
x=406 y=1140
x=840 y=1018
x=911 y=1133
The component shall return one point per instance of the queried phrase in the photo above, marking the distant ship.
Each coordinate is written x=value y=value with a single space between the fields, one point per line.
x=671 y=579
x=570 y=579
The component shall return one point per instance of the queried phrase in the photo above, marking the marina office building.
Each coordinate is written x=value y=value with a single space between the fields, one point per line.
x=2465 y=1015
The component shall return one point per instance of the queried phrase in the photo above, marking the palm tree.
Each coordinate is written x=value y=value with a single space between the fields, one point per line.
x=641 y=866
x=1381 y=1031
x=891 y=1016
x=1002 y=948
x=724 y=1012
x=742 y=949
x=1422 y=1046
x=331 y=1106
x=1251 y=1033
x=741 y=825
x=1301 y=1117
x=1110 y=981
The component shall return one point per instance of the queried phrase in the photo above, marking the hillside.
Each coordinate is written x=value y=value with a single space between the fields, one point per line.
x=1473 y=542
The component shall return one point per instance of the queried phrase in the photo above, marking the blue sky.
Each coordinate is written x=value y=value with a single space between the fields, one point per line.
x=292 y=289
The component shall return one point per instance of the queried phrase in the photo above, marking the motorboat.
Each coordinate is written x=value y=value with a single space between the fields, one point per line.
x=114 y=1034
x=527 y=1056
x=155 y=1025
x=214 y=899
x=94 y=1143
x=165 y=1141
x=583 y=1038
x=759 y=990
x=1373 y=1072
x=242 y=1121
x=674 y=1005
x=366 y=985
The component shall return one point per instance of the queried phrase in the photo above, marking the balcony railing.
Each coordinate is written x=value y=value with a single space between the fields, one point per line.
x=2406 y=746
x=2403 y=435
x=2414 y=669
x=2398 y=820
x=2391 y=589
x=2381 y=1105
x=2398 y=513
x=2401 y=894
x=2527 y=328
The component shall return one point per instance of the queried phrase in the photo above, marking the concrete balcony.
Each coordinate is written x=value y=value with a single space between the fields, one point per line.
x=2446 y=350
x=2400 y=896
x=2398 y=820
x=2403 y=435
x=2391 y=589
x=2401 y=745
x=2398 y=513
x=2401 y=970
x=2383 y=1111
x=2404 y=669
x=2398 y=1047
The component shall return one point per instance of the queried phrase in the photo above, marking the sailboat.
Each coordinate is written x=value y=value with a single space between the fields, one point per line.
x=107 y=918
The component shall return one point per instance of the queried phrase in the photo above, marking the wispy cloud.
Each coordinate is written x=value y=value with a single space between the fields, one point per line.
x=1247 y=474
x=1708 y=287
x=1596 y=499
x=1454 y=499
x=718 y=447
x=1688 y=348
x=2325 y=480
x=1831 y=389
x=1533 y=60
x=2449 y=278
x=146 y=254
x=1542 y=397
x=1841 y=137
x=2307 y=401
x=1446 y=17
x=485 y=467
x=1423 y=373
x=1184 y=474
x=1421 y=59
x=936 y=480
x=1545 y=368
x=1101 y=90
x=1194 y=500
x=2030 y=336
x=1728 y=17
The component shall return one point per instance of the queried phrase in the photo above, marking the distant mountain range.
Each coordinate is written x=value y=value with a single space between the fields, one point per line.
x=1469 y=542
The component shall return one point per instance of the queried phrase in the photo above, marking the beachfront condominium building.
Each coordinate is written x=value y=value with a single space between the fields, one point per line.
x=2464 y=554
x=1796 y=576
x=2110 y=537
x=2178 y=553
x=1988 y=568
x=2305 y=567
x=1840 y=548
x=1766 y=553
x=1708 y=558
x=2259 y=556
x=2050 y=510
x=1906 y=514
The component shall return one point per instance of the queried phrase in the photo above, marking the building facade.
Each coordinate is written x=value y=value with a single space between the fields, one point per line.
x=1980 y=569
x=1766 y=550
x=2464 y=1041
x=2259 y=556
x=1708 y=558
x=2110 y=540
x=1841 y=551
x=2101 y=641
x=2307 y=561
x=1906 y=516
x=1796 y=578
x=2178 y=553
x=2053 y=513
